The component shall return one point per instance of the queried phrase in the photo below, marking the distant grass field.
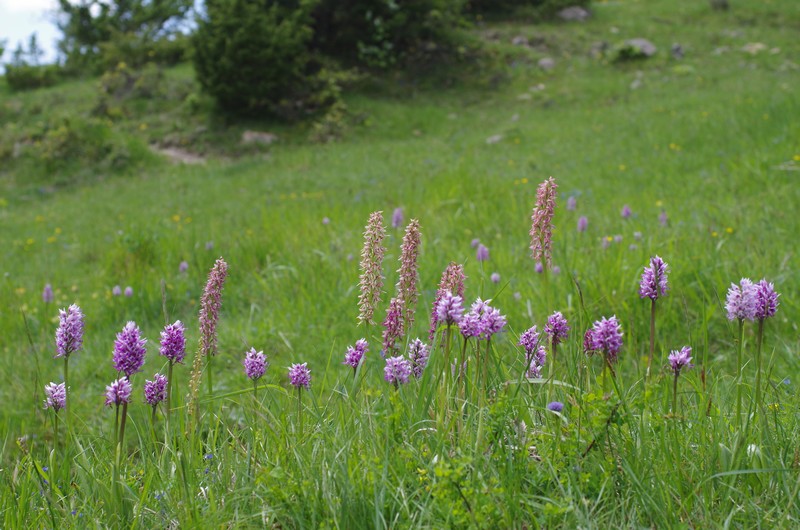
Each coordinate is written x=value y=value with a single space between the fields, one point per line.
x=712 y=140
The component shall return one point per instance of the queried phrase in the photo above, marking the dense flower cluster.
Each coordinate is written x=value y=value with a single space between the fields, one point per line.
x=557 y=328
x=605 y=336
x=449 y=309
x=654 y=279
x=766 y=300
x=173 y=342
x=679 y=359
x=129 y=350
x=741 y=301
x=355 y=354
x=371 y=279
x=452 y=281
x=255 y=364
x=210 y=303
x=155 y=391
x=300 y=375
x=118 y=392
x=392 y=326
x=69 y=335
x=55 y=396
x=418 y=354
x=542 y=222
x=407 y=280
x=397 y=370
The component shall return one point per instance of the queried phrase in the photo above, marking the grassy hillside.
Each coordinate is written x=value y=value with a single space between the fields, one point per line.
x=711 y=140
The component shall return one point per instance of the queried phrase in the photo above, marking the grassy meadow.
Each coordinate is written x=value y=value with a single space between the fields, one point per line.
x=711 y=140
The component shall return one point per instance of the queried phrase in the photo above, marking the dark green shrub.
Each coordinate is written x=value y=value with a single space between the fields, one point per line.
x=28 y=76
x=137 y=51
x=253 y=56
x=98 y=34
x=379 y=33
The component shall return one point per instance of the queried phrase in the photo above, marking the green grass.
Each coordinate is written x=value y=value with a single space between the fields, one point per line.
x=711 y=139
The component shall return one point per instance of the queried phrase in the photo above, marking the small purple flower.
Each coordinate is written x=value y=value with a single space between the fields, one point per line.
x=517 y=296
x=47 y=294
x=55 y=396
x=535 y=361
x=69 y=335
x=129 y=350
x=255 y=364
x=397 y=370
x=495 y=277
x=116 y=290
x=355 y=354
x=572 y=203
x=128 y=291
x=300 y=375
x=555 y=406
x=118 y=392
x=617 y=238
x=625 y=212
x=556 y=270
x=663 y=220
x=529 y=340
x=680 y=359
x=418 y=354
x=392 y=326
x=654 y=279
x=209 y=245
x=173 y=342
x=183 y=267
x=453 y=281
x=588 y=342
x=475 y=242
x=607 y=337
x=155 y=391
x=449 y=309
x=493 y=322
x=482 y=254
x=471 y=325
x=557 y=328
x=741 y=302
x=606 y=242
x=397 y=218
x=766 y=300
x=583 y=223
x=326 y=221
x=538 y=268
x=637 y=236
x=534 y=371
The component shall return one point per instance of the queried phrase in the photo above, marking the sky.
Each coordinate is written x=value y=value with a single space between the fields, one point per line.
x=20 y=18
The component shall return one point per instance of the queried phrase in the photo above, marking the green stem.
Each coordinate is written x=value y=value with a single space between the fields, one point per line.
x=66 y=388
x=652 y=337
x=169 y=391
x=675 y=394
x=210 y=381
x=739 y=373
x=116 y=425
x=55 y=429
x=759 y=341
x=300 y=412
x=122 y=424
